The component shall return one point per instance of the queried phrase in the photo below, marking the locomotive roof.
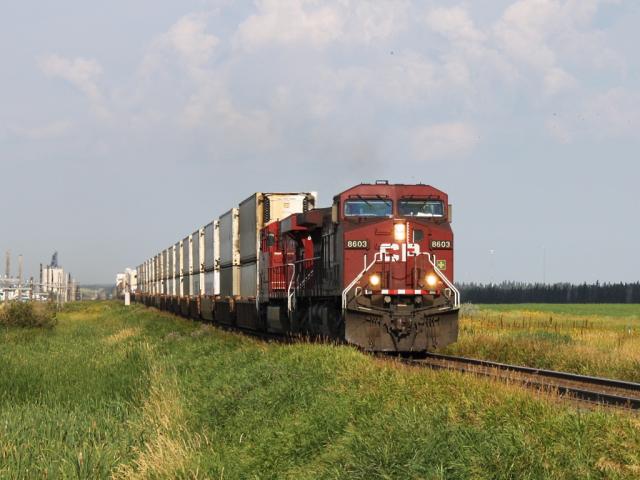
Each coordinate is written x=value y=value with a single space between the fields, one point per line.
x=392 y=189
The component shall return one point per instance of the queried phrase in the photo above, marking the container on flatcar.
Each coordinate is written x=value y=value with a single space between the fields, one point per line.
x=260 y=209
x=211 y=259
x=185 y=265
x=197 y=253
x=229 y=238
x=249 y=279
x=230 y=281
x=176 y=269
x=170 y=273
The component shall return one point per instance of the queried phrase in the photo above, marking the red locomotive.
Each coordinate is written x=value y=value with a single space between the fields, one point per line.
x=375 y=269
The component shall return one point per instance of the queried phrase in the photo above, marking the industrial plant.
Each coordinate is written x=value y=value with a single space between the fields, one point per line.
x=54 y=283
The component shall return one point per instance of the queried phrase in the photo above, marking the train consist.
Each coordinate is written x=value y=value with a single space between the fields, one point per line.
x=375 y=269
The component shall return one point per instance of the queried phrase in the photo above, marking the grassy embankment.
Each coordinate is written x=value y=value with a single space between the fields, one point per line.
x=589 y=339
x=135 y=393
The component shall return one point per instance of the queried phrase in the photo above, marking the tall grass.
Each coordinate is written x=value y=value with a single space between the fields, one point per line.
x=115 y=392
x=28 y=314
x=588 y=339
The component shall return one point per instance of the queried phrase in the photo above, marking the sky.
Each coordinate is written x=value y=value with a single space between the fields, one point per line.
x=125 y=125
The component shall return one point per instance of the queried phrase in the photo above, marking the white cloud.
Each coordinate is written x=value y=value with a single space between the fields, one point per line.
x=287 y=22
x=445 y=140
x=372 y=21
x=350 y=69
x=188 y=37
x=454 y=23
x=539 y=40
x=523 y=34
x=320 y=23
x=552 y=37
x=184 y=58
x=81 y=73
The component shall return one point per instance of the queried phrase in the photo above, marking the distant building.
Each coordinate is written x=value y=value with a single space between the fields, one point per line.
x=126 y=281
x=57 y=285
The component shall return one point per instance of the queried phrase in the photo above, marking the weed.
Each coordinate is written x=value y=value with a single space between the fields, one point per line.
x=28 y=314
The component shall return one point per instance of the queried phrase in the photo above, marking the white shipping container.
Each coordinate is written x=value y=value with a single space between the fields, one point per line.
x=249 y=279
x=186 y=285
x=229 y=238
x=176 y=268
x=209 y=260
x=186 y=256
x=170 y=270
x=195 y=284
x=209 y=283
x=195 y=251
x=201 y=251
x=230 y=281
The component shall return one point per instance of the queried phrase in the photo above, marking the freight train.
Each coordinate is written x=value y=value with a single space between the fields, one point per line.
x=375 y=269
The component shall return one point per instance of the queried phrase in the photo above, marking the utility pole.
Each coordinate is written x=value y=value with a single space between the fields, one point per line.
x=7 y=264
x=20 y=277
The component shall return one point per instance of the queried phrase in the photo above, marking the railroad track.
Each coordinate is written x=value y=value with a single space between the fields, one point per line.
x=595 y=390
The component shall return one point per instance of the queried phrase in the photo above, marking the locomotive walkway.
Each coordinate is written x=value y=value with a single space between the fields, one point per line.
x=594 y=390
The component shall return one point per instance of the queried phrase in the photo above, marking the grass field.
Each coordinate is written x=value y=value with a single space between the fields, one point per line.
x=589 y=339
x=115 y=392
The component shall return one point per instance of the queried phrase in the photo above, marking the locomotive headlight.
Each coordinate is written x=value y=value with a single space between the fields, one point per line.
x=374 y=280
x=431 y=280
x=399 y=232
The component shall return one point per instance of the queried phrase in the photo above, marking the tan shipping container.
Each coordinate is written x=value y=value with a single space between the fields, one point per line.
x=260 y=209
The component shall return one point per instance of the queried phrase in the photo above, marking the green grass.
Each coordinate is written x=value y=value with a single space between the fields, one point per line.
x=135 y=393
x=588 y=339
x=590 y=309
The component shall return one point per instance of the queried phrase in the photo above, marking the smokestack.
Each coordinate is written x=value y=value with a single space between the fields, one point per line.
x=20 y=269
x=7 y=264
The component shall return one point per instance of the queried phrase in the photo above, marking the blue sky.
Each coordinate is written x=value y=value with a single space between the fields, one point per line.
x=125 y=125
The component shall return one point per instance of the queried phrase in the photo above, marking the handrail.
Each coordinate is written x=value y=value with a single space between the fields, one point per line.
x=443 y=277
x=376 y=258
x=290 y=290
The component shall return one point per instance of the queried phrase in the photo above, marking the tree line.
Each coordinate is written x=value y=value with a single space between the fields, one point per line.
x=518 y=292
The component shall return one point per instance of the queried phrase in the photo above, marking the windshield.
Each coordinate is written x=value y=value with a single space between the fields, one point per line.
x=368 y=208
x=421 y=208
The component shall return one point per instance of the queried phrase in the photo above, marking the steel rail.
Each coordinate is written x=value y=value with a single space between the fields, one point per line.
x=534 y=377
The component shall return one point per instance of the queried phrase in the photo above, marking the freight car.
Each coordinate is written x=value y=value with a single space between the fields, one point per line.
x=375 y=269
